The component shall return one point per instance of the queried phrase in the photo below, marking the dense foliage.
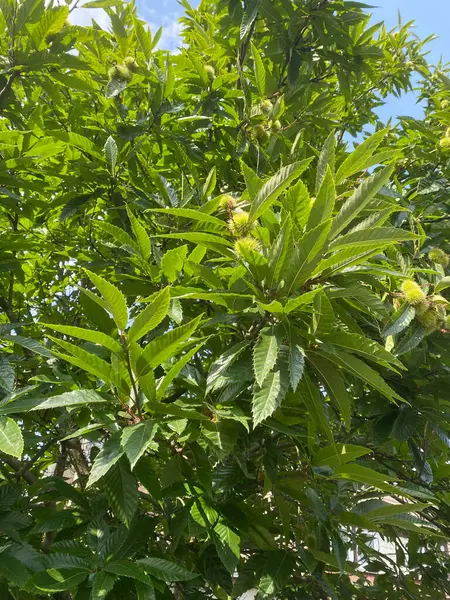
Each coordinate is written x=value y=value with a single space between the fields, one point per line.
x=225 y=366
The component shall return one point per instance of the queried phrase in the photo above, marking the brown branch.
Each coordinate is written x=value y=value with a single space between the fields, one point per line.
x=17 y=466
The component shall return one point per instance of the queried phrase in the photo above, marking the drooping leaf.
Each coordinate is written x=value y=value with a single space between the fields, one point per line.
x=361 y=370
x=296 y=359
x=399 y=320
x=266 y=398
x=108 y=456
x=334 y=384
x=265 y=353
x=11 y=440
x=102 y=583
x=249 y=17
x=136 y=439
x=121 y=487
x=227 y=544
x=111 y=152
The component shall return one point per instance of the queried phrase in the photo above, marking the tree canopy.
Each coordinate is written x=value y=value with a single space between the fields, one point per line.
x=224 y=366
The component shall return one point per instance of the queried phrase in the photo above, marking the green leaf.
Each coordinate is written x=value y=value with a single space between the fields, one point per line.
x=368 y=239
x=277 y=571
x=102 y=583
x=66 y=400
x=114 y=87
x=220 y=366
x=330 y=559
x=334 y=384
x=275 y=186
x=173 y=261
x=399 y=320
x=121 y=236
x=279 y=252
x=266 y=398
x=114 y=300
x=365 y=347
x=322 y=209
x=306 y=256
x=27 y=343
x=144 y=38
x=301 y=300
x=249 y=17
x=175 y=371
x=260 y=72
x=317 y=505
x=359 y=200
x=298 y=204
x=165 y=346
x=111 y=152
x=97 y=337
x=388 y=510
x=312 y=399
x=443 y=284
x=145 y=247
x=326 y=160
x=227 y=544
x=145 y=592
x=265 y=353
x=323 y=315
x=58 y=580
x=359 y=369
x=13 y=570
x=7 y=374
x=359 y=159
x=364 y=475
x=11 y=440
x=191 y=214
x=108 y=456
x=338 y=454
x=165 y=570
x=253 y=182
x=87 y=361
x=78 y=141
x=128 y=568
x=296 y=359
x=411 y=340
x=121 y=487
x=136 y=439
x=51 y=22
x=196 y=237
x=151 y=316
x=405 y=424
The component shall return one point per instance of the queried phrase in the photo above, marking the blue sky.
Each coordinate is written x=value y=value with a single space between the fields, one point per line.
x=430 y=16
